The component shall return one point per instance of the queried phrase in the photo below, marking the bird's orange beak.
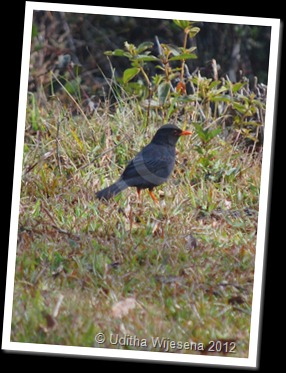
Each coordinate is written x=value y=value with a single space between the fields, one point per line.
x=184 y=133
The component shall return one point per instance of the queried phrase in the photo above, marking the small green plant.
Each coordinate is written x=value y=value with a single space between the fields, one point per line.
x=159 y=90
x=172 y=93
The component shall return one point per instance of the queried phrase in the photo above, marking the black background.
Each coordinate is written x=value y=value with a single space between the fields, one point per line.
x=273 y=310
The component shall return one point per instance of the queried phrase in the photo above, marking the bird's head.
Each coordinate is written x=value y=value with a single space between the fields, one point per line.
x=169 y=135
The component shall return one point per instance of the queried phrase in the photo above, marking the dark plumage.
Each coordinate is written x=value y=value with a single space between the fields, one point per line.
x=151 y=167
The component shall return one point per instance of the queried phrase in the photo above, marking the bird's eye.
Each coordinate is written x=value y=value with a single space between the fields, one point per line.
x=176 y=132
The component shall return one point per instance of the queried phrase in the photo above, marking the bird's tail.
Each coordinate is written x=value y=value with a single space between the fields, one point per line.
x=112 y=190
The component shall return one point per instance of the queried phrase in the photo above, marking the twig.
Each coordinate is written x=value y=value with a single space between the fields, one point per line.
x=54 y=225
x=68 y=32
x=160 y=53
x=49 y=215
x=42 y=271
x=57 y=307
x=73 y=100
x=197 y=313
x=101 y=154
x=43 y=158
x=60 y=230
x=57 y=145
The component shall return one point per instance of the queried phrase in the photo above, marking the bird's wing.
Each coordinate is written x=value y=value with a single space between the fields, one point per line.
x=153 y=164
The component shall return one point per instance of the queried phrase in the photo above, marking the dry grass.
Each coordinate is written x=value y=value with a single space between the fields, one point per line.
x=181 y=270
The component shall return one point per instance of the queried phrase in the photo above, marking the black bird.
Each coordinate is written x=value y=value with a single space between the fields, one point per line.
x=151 y=167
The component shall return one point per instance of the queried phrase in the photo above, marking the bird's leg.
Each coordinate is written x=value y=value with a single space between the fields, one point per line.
x=130 y=216
x=139 y=196
x=140 y=204
x=153 y=196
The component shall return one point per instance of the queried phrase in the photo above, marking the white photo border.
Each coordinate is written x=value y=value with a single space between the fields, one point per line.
x=252 y=359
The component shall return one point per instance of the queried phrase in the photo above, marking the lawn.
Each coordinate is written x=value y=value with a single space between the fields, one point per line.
x=175 y=276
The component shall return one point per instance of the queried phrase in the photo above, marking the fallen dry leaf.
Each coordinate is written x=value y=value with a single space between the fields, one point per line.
x=227 y=204
x=191 y=242
x=236 y=300
x=122 y=308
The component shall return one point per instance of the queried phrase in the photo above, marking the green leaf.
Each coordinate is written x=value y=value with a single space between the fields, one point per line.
x=130 y=47
x=219 y=98
x=173 y=49
x=205 y=134
x=215 y=83
x=157 y=79
x=35 y=31
x=183 y=56
x=219 y=90
x=146 y=58
x=172 y=107
x=150 y=103
x=193 y=31
x=130 y=74
x=213 y=133
x=237 y=86
x=231 y=170
x=200 y=132
x=72 y=86
x=37 y=209
x=240 y=107
x=118 y=53
x=250 y=123
x=259 y=103
x=143 y=46
x=190 y=98
x=183 y=24
x=190 y=50
x=163 y=92
x=199 y=149
x=243 y=98
x=160 y=67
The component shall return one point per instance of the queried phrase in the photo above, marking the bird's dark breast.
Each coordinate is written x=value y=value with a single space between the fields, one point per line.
x=150 y=168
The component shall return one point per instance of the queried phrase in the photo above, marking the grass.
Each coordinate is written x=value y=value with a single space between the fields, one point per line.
x=181 y=270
